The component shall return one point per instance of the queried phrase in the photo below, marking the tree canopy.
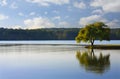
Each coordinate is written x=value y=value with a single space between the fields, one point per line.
x=92 y=32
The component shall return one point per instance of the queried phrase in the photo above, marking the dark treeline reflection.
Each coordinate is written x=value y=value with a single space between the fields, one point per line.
x=91 y=62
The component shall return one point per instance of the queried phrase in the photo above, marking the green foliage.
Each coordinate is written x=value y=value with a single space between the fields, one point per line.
x=91 y=32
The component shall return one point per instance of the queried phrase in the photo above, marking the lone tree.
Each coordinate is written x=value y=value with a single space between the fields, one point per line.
x=92 y=32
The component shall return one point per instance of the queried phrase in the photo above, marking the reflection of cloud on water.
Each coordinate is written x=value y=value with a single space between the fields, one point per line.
x=91 y=62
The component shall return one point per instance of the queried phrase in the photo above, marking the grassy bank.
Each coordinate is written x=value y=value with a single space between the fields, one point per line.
x=105 y=46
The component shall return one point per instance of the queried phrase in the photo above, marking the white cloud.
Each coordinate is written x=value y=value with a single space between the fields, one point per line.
x=13 y=5
x=15 y=27
x=80 y=5
x=107 y=5
x=67 y=16
x=32 y=13
x=48 y=2
x=3 y=17
x=55 y=11
x=63 y=24
x=90 y=19
x=3 y=2
x=114 y=24
x=98 y=11
x=46 y=13
x=94 y=18
x=38 y=22
x=69 y=8
x=20 y=14
x=56 y=18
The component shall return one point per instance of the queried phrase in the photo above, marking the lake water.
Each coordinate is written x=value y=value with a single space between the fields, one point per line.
x=57 y=42
x=57 y=61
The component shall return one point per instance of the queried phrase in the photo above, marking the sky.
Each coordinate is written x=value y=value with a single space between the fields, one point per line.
x=35 y=14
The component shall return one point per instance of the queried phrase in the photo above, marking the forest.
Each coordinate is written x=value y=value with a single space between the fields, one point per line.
x=47 y=34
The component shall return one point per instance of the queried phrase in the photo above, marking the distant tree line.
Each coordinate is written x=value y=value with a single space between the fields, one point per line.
x=47 y=34
x=115 y=34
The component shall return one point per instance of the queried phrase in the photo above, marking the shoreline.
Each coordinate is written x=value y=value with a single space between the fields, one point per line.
x=102 y=46
x=45 y=44
x=108 y=46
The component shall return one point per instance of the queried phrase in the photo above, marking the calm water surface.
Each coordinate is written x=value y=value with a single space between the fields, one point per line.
x=58 y=62
x=57 y=42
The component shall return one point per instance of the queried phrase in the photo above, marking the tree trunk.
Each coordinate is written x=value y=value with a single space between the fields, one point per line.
x=92 y=44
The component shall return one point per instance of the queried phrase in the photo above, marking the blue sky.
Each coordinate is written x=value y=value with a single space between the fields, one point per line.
x=33 y=14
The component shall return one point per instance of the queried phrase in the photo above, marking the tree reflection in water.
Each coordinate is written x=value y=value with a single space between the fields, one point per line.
x=91 y=62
